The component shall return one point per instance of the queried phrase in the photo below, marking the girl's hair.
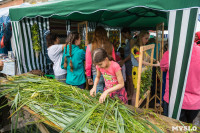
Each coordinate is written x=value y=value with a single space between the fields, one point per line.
x=100 y=40
x=140 y=36
x=100 y=55
x=51 y=38
x=71 y=38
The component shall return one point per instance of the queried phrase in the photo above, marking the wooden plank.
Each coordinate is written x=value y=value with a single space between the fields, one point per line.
x=42 y=118
x=145 y=48
x=144 y=97
x=147 y=103
x=139 y=77
x=42 y=128
x=161 y=74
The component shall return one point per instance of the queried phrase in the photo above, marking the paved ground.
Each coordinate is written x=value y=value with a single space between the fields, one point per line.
x=197 y=120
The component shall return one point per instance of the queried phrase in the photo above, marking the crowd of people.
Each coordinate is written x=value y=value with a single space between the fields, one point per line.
x=110 y=73
x=100 y=64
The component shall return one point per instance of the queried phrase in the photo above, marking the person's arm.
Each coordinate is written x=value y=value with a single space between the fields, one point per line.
x=96 y=81
x=149 y=64
x=63 y=46
x=115 y=88
x=113 y=54
x=1 y=65
x=88 y=63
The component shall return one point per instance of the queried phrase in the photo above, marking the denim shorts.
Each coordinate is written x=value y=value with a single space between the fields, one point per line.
x=82 y=86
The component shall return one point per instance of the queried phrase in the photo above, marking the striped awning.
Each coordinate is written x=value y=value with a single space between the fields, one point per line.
x=22 y=44
x=181 y=35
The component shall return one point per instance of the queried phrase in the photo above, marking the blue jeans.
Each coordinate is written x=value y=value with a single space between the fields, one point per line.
x=61 y=78
x=100 y=85
x=165 y=108
x=82 y=86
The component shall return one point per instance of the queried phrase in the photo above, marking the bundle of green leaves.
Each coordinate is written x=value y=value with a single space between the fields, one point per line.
x=73 y=109
x=35 y=38
x=146 y=81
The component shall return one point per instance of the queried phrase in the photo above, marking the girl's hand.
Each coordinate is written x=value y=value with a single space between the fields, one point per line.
x=103 y=97
x=157 y=65
x=93 y=92
x=90 y=81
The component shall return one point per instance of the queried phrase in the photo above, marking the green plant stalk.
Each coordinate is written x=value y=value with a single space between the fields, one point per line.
x=71 y=108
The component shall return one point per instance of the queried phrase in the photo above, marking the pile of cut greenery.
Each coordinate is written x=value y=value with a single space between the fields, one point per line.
x=146 y=81
x=73 y=109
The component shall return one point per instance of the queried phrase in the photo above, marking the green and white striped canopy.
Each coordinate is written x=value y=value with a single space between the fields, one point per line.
x=22 y=44
x=181 y=35
x=179 y=15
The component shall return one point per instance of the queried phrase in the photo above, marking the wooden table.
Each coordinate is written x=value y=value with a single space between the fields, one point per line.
x=164 y=122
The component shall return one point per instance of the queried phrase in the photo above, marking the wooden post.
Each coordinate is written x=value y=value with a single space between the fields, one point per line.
x=156 y=89
x=139 y=78
x=158 y=69
x=161 y=73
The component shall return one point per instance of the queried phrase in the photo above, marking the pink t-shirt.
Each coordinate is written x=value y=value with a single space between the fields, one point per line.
x=109 y=74
x=191 y=100
x=110 y=79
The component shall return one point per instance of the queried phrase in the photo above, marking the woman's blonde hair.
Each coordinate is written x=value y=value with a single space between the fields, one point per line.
x=140 y=36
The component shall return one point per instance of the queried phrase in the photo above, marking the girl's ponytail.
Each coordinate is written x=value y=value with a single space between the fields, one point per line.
x=72 y=37
x=70 y=54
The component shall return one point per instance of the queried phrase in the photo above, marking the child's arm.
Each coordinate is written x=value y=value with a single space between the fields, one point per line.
x=63 y=46
x=114 y=88
x=88 y=63
x=96 y=81
x=149 y=64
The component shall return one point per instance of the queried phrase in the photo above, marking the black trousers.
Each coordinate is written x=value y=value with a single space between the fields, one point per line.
x=188 y=115
x=185 y=116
